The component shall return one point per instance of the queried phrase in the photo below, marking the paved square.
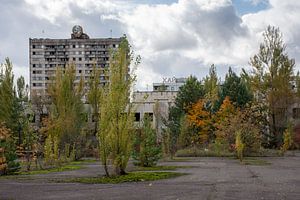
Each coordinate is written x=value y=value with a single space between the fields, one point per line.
x=209 y=178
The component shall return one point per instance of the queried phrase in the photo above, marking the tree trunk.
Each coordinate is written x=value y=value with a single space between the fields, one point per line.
x=106 y=169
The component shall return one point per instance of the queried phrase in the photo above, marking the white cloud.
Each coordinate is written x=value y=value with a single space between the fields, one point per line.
x=178 y=39
x=282 y=14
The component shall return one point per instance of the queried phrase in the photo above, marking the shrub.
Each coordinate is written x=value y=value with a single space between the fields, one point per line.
x=195 y=151
x=239 y=145
x=287 y=140
x=8 y=152
x=147 y=151
x=219 y=146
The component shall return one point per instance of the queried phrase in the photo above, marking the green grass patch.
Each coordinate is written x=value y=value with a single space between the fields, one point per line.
x=75 y=165
x=178 y=159
x=160 y=168
x=51 y=170
x=130 y=177
x=82 y=162
x=255 y=161
x=199 y=152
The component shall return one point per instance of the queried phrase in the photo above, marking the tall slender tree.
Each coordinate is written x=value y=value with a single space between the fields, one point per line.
x=94 y=95
x=9 y=112
x=271 y=80
x=7 y=96
x=116 y=114
x=211 y=88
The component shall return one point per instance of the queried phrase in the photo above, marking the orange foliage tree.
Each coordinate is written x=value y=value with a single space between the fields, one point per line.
x=200 y=119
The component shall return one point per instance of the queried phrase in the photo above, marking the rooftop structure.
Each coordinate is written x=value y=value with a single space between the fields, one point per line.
x=169 y=84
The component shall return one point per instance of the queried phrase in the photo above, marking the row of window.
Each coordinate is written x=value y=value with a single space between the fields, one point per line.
x=89 y=65
x=63 y=53
x=104 y=59
x=103 y=46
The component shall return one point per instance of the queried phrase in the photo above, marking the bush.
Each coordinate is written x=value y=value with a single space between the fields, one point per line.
x=251 y=140
x=287 y=140
x=239 y=145
x=219 y=146
x=8 y=152
x=202 y=152
x=146 y=152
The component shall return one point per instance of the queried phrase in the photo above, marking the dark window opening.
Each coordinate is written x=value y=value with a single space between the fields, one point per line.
x=137 y=117
x=296 y=113
x=149 y=116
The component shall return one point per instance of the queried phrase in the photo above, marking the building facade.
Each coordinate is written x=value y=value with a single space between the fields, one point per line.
x=156 y=103
x=45 y=55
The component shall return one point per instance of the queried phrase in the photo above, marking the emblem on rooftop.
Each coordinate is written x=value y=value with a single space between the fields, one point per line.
x=77 y=33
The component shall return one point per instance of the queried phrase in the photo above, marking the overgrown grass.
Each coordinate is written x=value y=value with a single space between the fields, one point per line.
x=197 y=152
x=51 y=170
x=255 y=161
x=178 y=159
x=130 y=177
x=76 y=165
x=82 y=162
x=160 y=168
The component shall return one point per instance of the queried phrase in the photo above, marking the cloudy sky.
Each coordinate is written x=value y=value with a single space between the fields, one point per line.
x=173 y=37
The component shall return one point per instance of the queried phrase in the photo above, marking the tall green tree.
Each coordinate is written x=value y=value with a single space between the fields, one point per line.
x=93 y=96
x=271 y=81
x=7 y=96
x=236 y=89
x=9 y=112
x=211 y=88
x=187 y=95
x=66 y=119
x=116 y=113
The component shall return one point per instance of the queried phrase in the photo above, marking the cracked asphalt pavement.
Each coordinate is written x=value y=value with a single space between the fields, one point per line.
x=208 y=178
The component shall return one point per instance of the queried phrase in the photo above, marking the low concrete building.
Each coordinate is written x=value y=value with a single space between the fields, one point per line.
x=156 y=103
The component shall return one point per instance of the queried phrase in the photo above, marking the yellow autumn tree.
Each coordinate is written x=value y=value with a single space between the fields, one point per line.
x=223 y=120
x=199 y=118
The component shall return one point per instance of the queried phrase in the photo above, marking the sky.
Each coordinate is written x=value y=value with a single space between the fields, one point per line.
x=173 y=37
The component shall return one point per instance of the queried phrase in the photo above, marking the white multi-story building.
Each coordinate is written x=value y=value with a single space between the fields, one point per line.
x=45 y=55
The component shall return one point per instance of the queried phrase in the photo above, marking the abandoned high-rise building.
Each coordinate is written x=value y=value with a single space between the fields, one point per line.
x=45 y=55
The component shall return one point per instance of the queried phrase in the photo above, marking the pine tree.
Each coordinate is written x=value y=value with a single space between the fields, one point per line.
x=211 y=88
x=147 y=151
x=9 y=114
x=236 y=89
